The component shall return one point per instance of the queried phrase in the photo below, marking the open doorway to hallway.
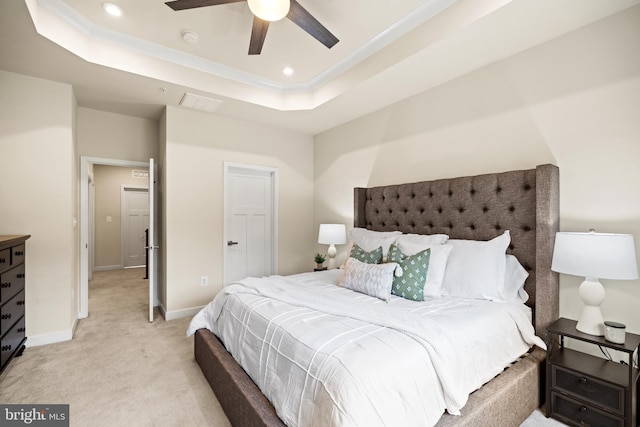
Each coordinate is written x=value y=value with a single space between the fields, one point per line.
x=120 y=217
x=89 y=241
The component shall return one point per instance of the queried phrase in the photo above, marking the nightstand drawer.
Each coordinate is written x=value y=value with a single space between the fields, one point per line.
x=587 y=388
x=576 y=413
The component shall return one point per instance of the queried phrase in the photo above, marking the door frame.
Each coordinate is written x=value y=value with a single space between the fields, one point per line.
x=123 y=190
x=274 y=173
x=85 y=161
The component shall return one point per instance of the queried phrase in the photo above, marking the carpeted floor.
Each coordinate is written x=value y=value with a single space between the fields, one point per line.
x=121 y=370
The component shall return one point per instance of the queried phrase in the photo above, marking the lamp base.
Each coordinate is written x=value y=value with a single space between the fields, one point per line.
x=331 y=253
x=591 y=321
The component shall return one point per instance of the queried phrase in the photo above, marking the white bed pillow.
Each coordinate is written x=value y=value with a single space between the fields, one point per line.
x=476 y=269
x=437 y=264
x=426 y=240
x=371 y=279
x=371 y=240
x=514 y=277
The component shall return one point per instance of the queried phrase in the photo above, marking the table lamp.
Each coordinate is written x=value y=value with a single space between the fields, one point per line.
x=594 y=256
x=332 y=234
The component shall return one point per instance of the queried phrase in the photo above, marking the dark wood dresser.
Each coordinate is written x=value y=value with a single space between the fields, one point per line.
x=12 y=298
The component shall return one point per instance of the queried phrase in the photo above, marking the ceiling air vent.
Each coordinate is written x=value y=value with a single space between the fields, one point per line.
x=201 y=103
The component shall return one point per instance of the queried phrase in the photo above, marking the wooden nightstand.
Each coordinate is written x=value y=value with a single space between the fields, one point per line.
x=585 y=390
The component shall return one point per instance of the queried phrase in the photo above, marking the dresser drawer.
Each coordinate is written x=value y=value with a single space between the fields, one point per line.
x=11 y=282
x=5 y=259
x=11 y=312
x=12 y=341
x=579 y=414
x=587 y=388
x=17 y=254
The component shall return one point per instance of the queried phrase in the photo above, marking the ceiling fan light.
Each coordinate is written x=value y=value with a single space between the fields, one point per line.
x=112 y=9
x=269 y=10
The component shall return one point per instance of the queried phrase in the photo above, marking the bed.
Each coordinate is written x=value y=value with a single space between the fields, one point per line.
x=474 y=208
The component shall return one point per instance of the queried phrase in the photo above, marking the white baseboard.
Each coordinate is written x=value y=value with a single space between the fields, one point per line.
x=177 y=314
x=107 y=268
x=53 y=337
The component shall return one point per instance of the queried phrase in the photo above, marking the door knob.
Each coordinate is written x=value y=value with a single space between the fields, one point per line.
x=231 y=243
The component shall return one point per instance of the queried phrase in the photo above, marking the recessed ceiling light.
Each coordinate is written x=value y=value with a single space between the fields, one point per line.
x=190 y=37
x=287 y=71
x=112 y=9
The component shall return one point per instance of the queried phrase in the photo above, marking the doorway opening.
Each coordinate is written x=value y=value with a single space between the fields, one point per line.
x=92 y=219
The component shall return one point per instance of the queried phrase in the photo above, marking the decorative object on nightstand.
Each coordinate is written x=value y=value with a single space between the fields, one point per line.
x=594 y=256
x=332 y=234
x=319 y=259
x=583 y=389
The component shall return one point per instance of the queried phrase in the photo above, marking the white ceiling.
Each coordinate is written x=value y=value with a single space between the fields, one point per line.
x=388 y=51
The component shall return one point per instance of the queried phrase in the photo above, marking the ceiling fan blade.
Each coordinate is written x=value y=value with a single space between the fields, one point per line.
x=192 y=4
x=258 y=34
x=307 y=22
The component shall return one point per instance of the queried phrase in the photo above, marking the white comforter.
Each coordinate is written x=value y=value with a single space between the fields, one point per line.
x=328 y=356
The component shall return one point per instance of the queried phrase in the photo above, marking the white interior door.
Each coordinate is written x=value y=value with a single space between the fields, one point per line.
x=153 y=247
x=135 y=220
x=250 y=222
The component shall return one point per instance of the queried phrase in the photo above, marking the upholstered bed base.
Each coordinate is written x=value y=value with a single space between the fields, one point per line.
x=480 y=207
x=241 y=399
x=506 y=401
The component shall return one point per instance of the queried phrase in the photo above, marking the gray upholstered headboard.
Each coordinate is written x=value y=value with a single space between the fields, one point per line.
x=480 y=207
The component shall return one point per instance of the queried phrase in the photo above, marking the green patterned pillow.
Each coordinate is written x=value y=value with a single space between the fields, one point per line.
x=411 y=284
x=373 y=257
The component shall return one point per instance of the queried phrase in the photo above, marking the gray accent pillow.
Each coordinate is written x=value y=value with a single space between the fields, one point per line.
x=372 y=279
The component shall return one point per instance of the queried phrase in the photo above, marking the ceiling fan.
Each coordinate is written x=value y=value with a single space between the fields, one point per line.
x=264 y=12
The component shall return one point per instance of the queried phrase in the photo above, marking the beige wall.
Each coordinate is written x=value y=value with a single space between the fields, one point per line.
x=197 y=145
x=116 y=136
x=39 y=193
x=108 y=182
x=573 y=102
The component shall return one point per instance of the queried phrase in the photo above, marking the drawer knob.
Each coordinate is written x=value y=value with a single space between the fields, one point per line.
x=6 y=347
x=19 y=253
x=20 y=276
x=19 y=302
x=5 y=285
x=583 y=380
x=5 y=316
x=583 y=409
x=21 y=329
x=3 y=260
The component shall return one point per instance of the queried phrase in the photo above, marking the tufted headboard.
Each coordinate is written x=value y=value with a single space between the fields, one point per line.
x=480 y=207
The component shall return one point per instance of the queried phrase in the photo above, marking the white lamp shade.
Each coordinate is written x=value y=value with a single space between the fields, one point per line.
x=595 y=255
x=332 y=234
x=269 y=10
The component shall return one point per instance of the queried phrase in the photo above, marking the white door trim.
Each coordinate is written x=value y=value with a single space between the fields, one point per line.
x=85 y=161
x=228 y=166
